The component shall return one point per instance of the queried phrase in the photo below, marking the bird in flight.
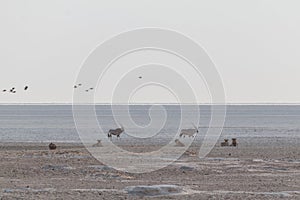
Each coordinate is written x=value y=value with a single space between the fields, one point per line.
x=140 y=77
x=12 y=90
x=78 y=85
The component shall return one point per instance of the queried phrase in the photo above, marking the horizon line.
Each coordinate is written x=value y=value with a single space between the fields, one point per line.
x=159 y=103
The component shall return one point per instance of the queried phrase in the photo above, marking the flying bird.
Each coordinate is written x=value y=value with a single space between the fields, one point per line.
x=140 y=77
x=91 y=88
x=26 y=87
x=12 y=90
x=86 y=90
x=3 y=90
x=78 y=85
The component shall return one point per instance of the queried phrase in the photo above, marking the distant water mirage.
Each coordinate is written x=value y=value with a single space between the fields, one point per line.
x=141 y=74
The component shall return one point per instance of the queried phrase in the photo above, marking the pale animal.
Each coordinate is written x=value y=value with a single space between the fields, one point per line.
x=189 y=132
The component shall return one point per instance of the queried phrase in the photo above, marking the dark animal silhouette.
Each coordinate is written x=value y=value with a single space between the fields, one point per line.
x=117 y=132
x=52 y=146
x=234 y=142
x=225 y=143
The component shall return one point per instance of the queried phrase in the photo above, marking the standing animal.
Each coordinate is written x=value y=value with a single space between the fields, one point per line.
x=117 y=132
x=189 y=132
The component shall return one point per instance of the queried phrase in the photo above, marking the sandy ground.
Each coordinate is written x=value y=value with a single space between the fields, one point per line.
x=249 y=171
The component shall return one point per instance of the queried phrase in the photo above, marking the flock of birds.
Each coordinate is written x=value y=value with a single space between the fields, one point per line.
x=80 y=84
x=13 y=89
x=91 y=88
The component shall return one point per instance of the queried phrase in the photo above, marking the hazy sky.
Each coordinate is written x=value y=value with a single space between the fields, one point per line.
x=255 y=44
